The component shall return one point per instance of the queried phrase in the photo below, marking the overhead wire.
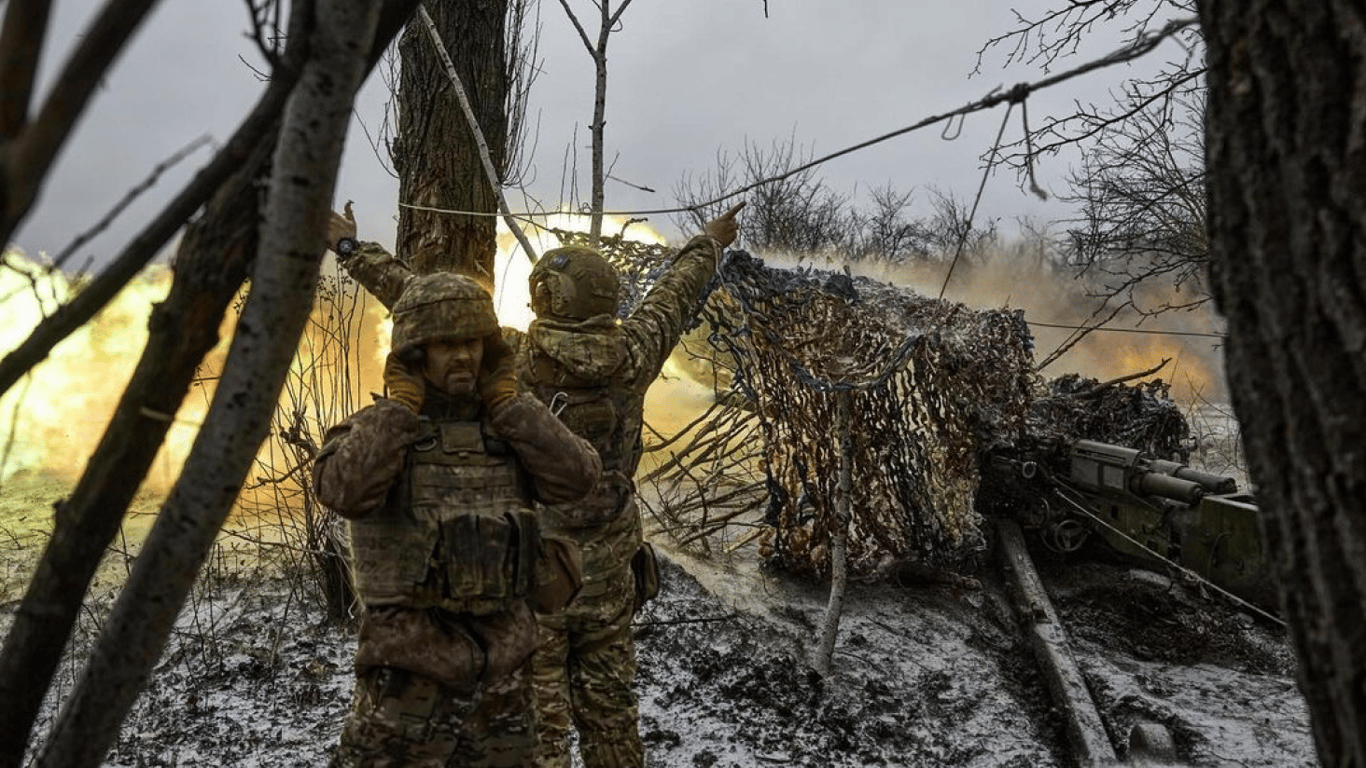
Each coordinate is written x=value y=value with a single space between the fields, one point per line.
x=1140 y=47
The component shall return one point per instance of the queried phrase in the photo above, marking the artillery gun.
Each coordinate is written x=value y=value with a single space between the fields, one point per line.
x=1148 y=511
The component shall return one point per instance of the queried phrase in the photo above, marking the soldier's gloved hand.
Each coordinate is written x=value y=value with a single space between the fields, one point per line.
x=497 y=374
x=341 y=225
x=724 y=229
x=403 y=384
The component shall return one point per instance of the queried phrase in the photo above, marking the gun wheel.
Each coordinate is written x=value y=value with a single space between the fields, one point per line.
x=1065 y=535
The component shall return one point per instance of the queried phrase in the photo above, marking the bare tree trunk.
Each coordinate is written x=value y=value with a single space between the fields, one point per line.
x=598 y=129
x=597 y=49
x=839 y=565
x=211 y=265
x=485 y=157
x=182 y=330
x=1287 y=158
x=283 y=281
x=435 y=153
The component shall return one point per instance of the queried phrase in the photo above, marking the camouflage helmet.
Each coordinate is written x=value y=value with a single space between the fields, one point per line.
x=573 y=282
x=440 y=305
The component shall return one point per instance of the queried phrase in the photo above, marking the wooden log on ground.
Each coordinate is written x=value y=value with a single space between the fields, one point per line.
x=1039 y=621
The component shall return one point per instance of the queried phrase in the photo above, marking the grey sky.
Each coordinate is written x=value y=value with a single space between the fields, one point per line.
x=686 y=78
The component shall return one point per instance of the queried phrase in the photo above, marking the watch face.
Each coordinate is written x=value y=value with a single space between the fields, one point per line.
x=346 y=246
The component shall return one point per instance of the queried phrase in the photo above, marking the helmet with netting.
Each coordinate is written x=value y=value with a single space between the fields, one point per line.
x=442 y=305
x=573 y=282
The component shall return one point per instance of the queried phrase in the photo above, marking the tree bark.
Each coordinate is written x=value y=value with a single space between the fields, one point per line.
x=284 y=277
x=436 y=154
x=1286 y=142
x=21 y=43
x=211 y=264
x=491 y=172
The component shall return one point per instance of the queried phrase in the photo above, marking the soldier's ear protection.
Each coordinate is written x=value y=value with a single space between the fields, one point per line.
x=548 y=286
x=413 y=356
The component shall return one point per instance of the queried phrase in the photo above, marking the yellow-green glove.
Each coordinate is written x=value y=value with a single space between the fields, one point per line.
x=402 y=384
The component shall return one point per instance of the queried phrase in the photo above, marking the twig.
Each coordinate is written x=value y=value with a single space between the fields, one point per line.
x=127 y=200
x=674 y=622
x=1130 y=377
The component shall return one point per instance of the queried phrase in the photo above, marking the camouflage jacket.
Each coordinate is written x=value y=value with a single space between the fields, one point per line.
x=357 y=473
x=362 y=457
x=624 y=358
x=380 y=272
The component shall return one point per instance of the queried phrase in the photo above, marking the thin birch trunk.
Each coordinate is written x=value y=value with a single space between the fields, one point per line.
x=839 y=566
x=283 y=282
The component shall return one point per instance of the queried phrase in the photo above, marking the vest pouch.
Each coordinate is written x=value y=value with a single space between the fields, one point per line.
x=389 y=557
x=645 y=568
x=490 y=557
x=594 y=419
x=559 y=575
x=478 y=567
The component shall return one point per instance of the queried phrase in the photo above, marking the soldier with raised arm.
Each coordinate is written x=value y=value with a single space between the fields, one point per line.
x=595 y=370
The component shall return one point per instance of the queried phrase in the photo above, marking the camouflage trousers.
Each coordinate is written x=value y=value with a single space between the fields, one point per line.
x=399 y=719
x=584 y=671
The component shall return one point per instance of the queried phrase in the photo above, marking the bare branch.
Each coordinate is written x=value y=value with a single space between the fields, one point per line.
x=583 y=35
x=149 y=241
x=26 y=160
x=616 y=17
x=128 y=198
x=21 y=44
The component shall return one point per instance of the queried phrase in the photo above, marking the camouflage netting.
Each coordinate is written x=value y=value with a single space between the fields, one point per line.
x=936 y=388
x=934 y=385
x=1141 y=416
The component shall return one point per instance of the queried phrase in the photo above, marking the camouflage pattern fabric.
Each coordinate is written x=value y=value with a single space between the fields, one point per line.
x=585 y=667
x=361 y=457
x=400 y=719
x=589 y=651
x=468 y=702
x=382 y=274
x=442 y=304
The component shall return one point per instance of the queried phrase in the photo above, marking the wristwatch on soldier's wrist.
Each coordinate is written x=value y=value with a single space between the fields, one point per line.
x=346 y=246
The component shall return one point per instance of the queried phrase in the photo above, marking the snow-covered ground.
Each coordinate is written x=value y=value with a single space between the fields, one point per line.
x=924 y=674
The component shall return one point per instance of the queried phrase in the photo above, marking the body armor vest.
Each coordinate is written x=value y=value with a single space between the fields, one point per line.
x=457 y=531
x=596 y=411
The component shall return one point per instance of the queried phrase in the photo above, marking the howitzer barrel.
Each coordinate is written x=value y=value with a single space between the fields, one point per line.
x=1101 y=466
x=1166 y=486
x=1213 y=483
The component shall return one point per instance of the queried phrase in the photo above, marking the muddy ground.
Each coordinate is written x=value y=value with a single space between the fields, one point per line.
x=925 y=674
